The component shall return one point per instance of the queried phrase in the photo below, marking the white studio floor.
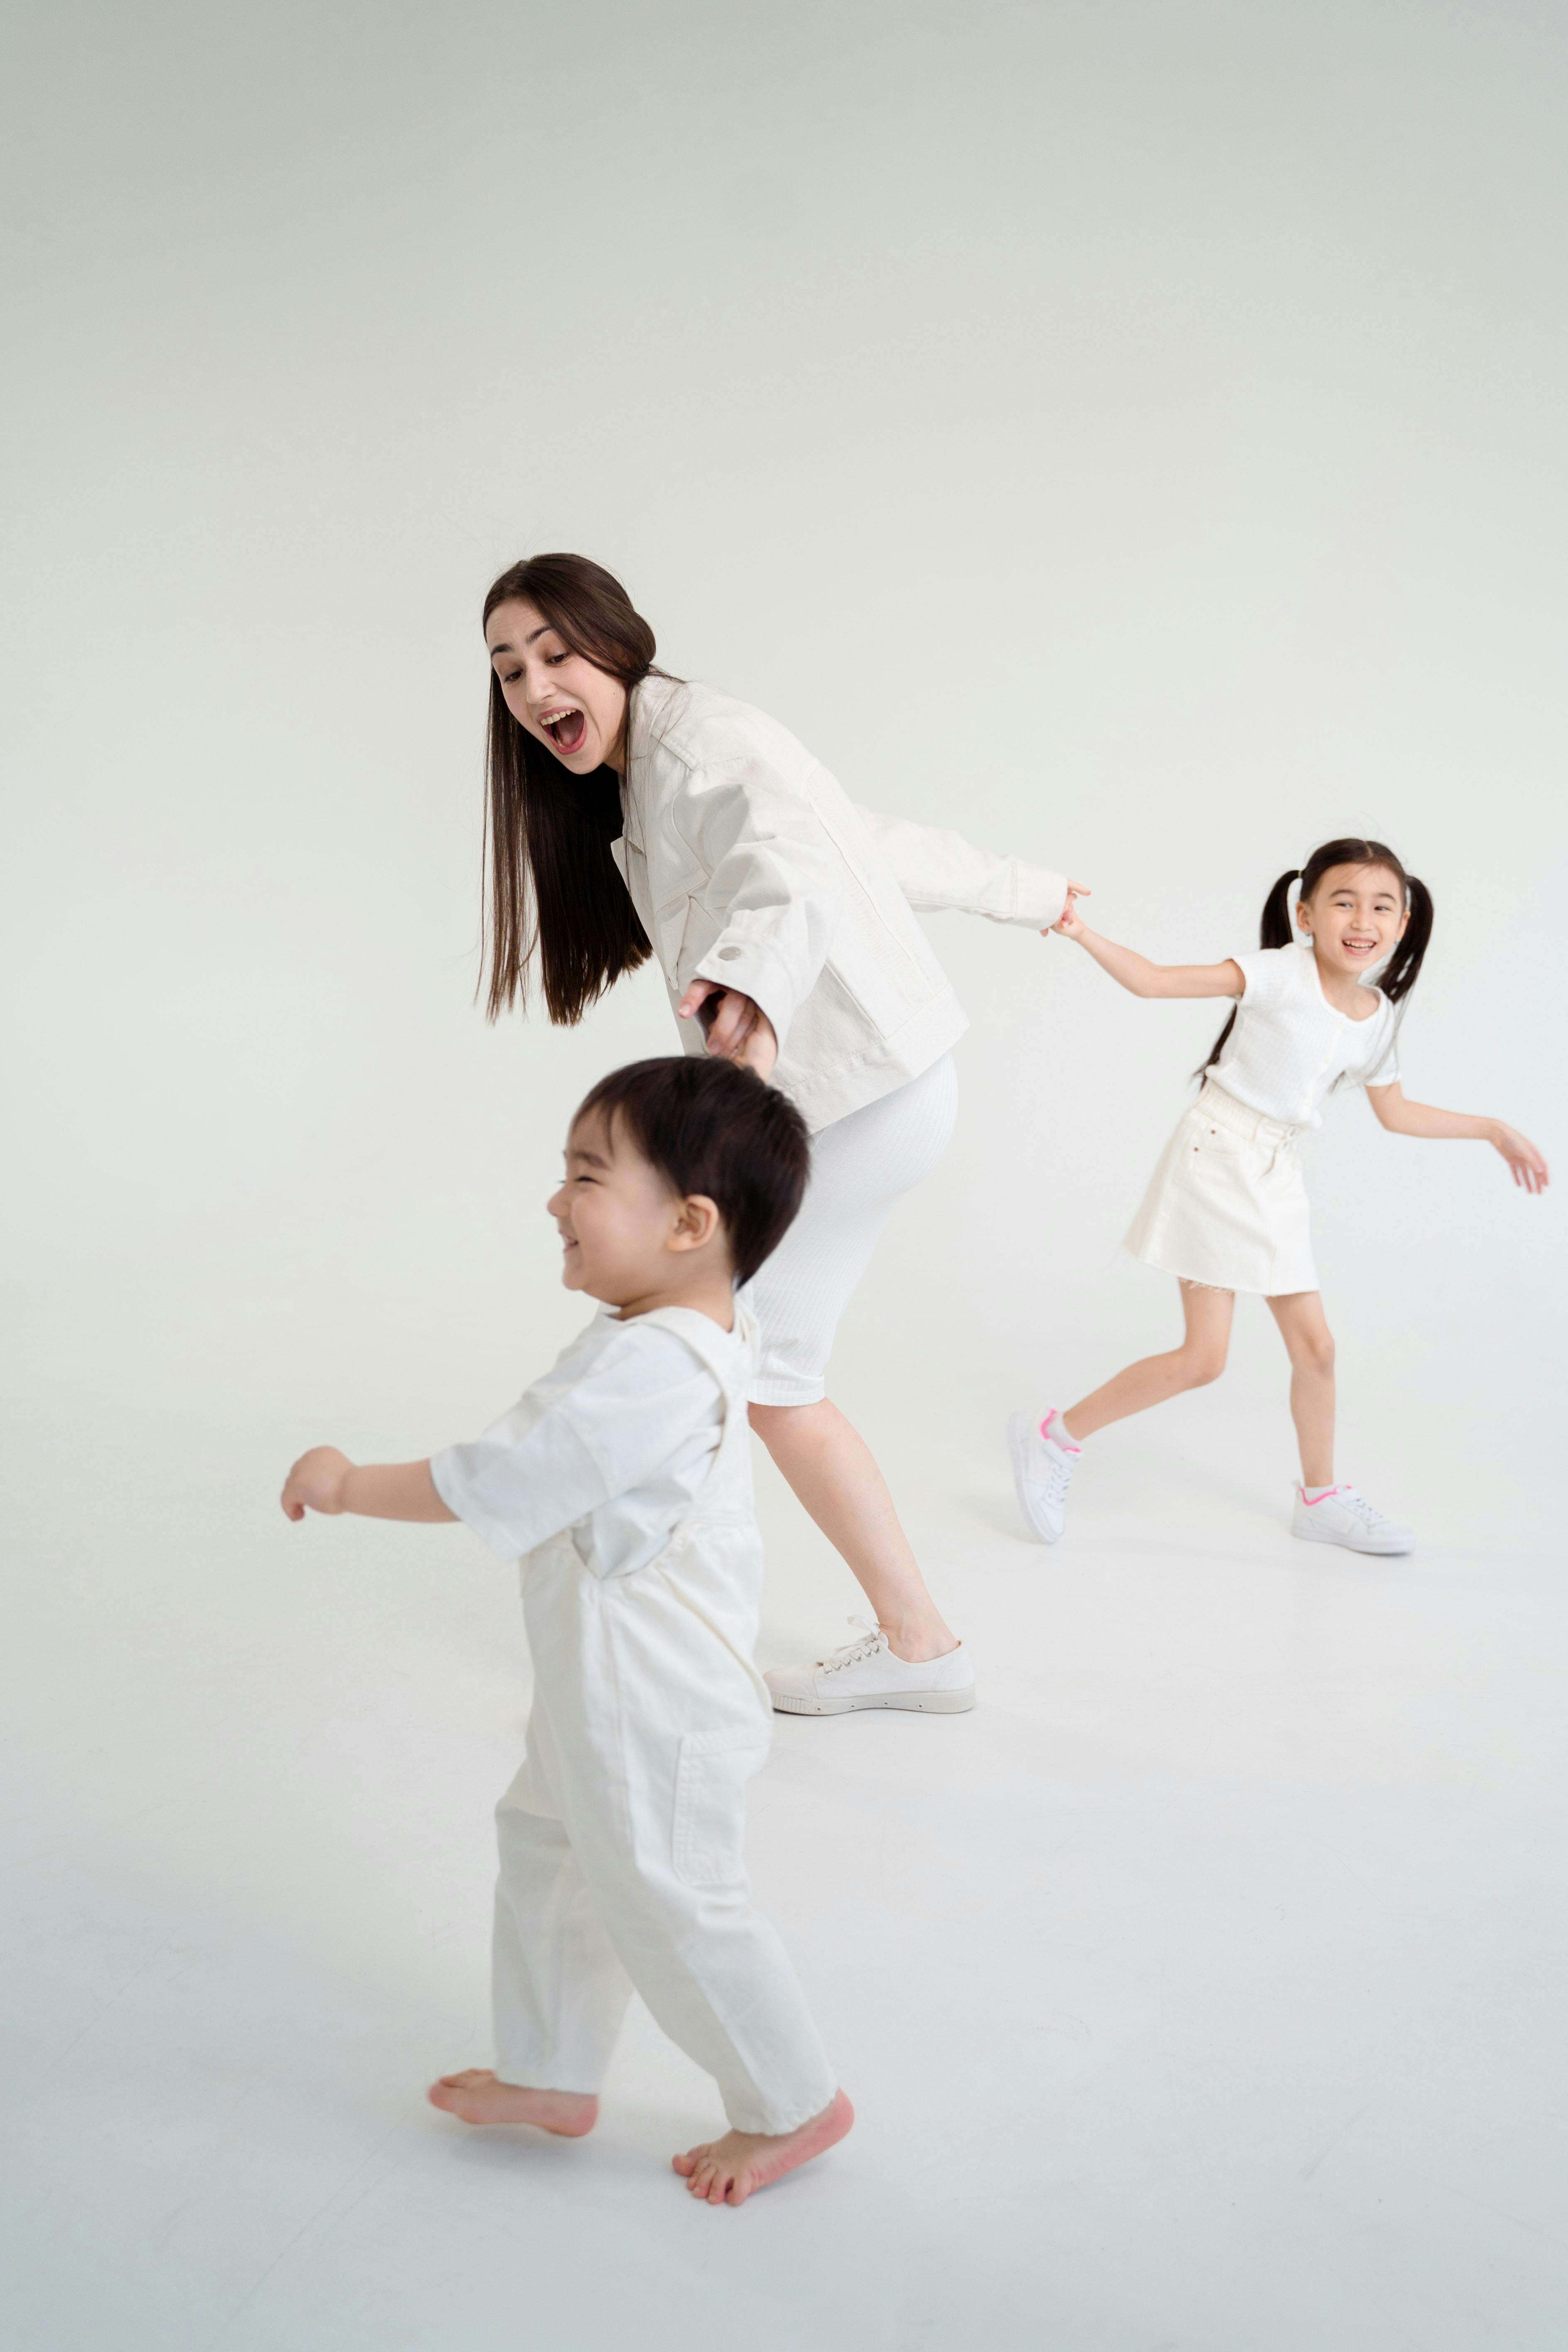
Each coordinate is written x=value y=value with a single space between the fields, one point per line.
x=1201 y=1991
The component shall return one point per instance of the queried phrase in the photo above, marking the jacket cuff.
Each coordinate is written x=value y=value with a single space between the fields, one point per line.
x=756 y=971
x=1038 y=896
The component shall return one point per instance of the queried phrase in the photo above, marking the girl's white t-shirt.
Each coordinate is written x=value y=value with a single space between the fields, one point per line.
x=614 y=1442
x=1290 y=1045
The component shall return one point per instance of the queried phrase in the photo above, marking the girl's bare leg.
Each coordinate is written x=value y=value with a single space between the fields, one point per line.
x=1310 y=1345
x=831 y=1469
x=1199 y=1360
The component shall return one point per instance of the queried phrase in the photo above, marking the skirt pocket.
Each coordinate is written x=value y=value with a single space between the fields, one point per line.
x=711 y=1803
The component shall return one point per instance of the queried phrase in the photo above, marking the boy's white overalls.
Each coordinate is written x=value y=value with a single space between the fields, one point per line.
x=621 y=1837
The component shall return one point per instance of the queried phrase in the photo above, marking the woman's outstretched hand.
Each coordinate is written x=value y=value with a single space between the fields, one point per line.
x=1068 y=922
x=736 y=1027
x=1528 y=1164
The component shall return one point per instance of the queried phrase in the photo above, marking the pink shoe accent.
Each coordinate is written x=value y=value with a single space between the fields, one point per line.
x=1321 y=1496
x=1059 y=1437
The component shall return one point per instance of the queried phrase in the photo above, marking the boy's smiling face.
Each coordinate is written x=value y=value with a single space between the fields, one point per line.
x=628 y=1238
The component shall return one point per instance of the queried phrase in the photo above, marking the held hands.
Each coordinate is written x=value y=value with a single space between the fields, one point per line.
x=1068 y=922
x=736 y=1027
x=316 y=1483
x=1527 y=1165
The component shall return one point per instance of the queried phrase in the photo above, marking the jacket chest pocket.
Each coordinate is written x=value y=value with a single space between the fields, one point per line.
x=710 y=1827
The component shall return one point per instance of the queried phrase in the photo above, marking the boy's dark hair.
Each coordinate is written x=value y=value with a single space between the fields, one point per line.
x=711 y=1127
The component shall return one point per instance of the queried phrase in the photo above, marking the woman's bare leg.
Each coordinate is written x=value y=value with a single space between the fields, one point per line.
x=833 y=1473
x=1199 y=1360
x=1310 y=1345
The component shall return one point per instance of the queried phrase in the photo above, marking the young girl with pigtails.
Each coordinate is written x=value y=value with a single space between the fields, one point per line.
x=1316 y=1008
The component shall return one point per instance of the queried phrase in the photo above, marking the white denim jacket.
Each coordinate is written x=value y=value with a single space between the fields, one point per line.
x=748 y=865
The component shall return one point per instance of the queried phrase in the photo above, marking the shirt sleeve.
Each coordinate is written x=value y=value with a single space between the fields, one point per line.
x=535 y=1472
x=1268 y=972
x=772 y=889
x=936 y=869
x=1383 y=1070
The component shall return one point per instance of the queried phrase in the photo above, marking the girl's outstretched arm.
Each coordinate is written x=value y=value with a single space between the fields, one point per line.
x=1145 y=979
x=1402 y=1117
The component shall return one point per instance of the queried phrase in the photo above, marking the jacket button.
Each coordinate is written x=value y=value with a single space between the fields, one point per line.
x=728 y=955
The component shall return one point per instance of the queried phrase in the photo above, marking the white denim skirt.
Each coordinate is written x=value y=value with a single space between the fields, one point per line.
x=1227 y=1206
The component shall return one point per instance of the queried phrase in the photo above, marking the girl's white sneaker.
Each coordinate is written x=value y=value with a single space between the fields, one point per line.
x=1343 y=1517
x=1042 y=1473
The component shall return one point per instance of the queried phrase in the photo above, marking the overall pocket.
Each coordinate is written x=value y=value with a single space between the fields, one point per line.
x=711 y=1803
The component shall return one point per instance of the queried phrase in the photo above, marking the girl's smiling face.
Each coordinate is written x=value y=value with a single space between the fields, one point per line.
x=576 y=710
x=1355 y=918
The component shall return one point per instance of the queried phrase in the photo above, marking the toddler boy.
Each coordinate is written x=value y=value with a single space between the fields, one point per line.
x=622 y=1478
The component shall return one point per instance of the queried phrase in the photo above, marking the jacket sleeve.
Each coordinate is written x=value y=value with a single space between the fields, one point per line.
x=937 y=870
x=771 y=893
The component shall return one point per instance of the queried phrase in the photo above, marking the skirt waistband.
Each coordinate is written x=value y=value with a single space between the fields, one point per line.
x=1225 y=1111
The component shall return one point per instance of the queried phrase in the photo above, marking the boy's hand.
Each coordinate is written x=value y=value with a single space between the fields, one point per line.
x=316 y=1483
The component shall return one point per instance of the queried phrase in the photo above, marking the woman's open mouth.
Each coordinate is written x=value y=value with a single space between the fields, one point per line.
x=567 y=729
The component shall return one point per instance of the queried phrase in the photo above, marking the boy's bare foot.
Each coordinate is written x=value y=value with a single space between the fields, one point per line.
x=726 y=2172
x=478 y=2098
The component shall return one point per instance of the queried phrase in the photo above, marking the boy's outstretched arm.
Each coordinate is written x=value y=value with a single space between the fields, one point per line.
x=1403 y=1117
x=326 y=1481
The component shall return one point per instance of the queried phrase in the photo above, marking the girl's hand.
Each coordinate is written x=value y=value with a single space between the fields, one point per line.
x=316 y=1483
x=1527 y=1164
x=736 y=1027
x=1068 y=922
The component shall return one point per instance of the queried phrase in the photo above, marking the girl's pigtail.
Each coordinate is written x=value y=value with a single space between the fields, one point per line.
x=1404 y=964
x=1273 y=931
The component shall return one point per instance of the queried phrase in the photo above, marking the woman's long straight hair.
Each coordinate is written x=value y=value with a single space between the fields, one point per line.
x=555 y=892
x=1403 y=967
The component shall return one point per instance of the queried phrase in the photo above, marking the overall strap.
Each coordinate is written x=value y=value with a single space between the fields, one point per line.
x=730 y=1358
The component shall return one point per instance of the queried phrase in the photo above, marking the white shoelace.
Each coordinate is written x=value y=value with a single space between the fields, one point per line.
x=1361 y=1507
x=1057 y=1477
x=865 y=1645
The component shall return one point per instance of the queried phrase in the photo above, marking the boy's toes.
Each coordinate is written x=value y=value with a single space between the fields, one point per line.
x=472 y=2078
x=687 y=2165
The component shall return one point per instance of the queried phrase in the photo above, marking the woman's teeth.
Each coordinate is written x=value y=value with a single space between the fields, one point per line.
x=566 y=728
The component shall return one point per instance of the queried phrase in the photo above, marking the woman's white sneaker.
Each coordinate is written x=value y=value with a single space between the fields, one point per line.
x=866 y=1674
x=1042 y=1473
x=1340 y=1516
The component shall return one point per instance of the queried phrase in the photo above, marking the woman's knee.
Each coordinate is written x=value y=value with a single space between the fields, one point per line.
x=1196 y=1366
x=1314 y=1352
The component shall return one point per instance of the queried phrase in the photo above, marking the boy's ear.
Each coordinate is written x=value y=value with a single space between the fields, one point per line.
x=696 y=1221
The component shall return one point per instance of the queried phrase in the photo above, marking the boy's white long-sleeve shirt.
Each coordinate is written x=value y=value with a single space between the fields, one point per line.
x=612 y=1443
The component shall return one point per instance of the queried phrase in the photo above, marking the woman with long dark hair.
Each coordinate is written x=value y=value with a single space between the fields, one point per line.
x=633 y=813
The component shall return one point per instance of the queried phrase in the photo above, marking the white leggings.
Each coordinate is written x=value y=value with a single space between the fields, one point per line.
x=859 y=1167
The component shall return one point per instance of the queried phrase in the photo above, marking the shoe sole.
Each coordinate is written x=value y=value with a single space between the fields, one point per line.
x=936 y=1702
x=1018 y=1436
x=1367 y=1551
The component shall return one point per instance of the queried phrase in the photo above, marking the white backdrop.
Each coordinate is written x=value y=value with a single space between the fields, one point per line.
x=1131 y=433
